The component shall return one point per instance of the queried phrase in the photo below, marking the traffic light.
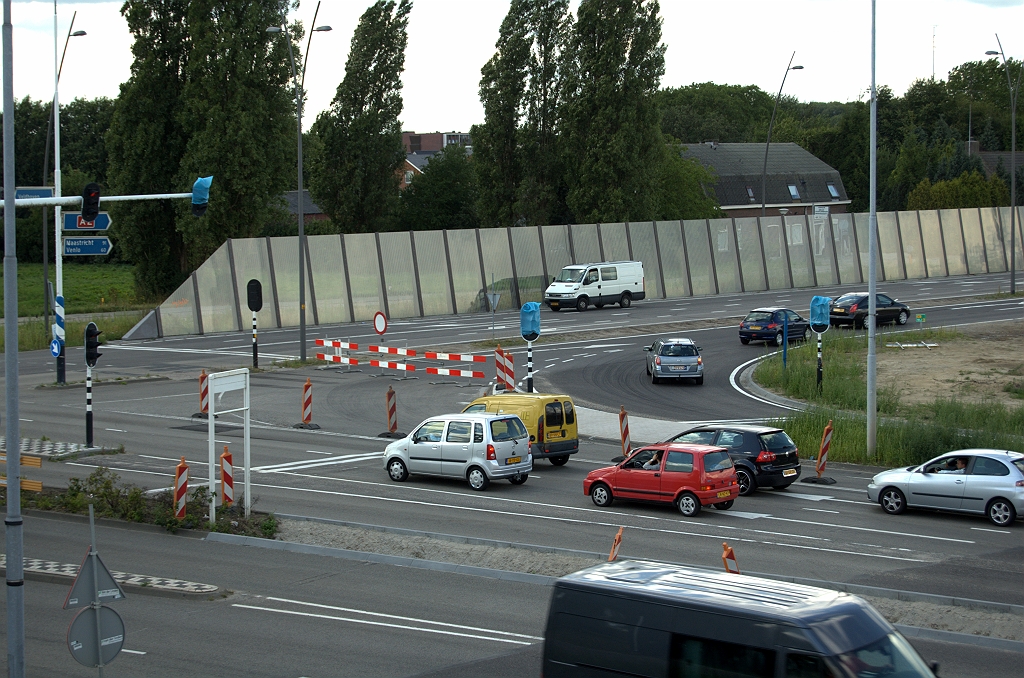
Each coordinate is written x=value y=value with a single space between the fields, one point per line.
x=92 y=344
x=201 y=195
x=91 y=202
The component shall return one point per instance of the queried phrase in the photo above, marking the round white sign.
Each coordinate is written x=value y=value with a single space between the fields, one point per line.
x=380 y=323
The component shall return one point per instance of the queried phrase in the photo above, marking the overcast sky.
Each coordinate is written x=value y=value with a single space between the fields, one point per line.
x=736 y=42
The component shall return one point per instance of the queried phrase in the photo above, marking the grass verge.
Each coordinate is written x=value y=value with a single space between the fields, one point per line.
x=34 y=336
x=88 y=288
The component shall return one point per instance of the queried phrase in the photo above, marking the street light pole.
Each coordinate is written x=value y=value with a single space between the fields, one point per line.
x=764 y=171
x=1014 y=91
x=298 y=116
x=872 y=414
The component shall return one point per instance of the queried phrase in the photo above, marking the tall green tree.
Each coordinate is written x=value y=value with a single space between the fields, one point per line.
x=353 y=176
x=707 y=111
x=613 y=141
x=445 y=196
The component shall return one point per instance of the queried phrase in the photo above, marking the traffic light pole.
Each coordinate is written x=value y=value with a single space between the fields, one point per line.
x=58 y=249
x=88 y=406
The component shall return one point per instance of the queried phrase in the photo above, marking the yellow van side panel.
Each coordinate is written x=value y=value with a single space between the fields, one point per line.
x=530 y=408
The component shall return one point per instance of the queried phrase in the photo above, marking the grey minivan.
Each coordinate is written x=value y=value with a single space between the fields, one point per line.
x=475 y=446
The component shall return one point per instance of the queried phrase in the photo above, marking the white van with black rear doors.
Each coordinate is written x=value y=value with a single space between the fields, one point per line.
x=610 y=282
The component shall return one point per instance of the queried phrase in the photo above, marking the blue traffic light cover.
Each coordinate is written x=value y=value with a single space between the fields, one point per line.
x=201 y=195
x=820 y=307
x=529 y=320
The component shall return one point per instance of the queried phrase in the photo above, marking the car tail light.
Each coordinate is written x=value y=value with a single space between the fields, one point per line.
x=705 y=488
x=490 y=453
x=853 y=309
x=772 y=326
x=657 y=360
x=700 y=361
x=764 y=457
x=1020 y=483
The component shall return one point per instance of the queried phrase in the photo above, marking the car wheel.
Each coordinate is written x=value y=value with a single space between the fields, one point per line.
x=581 y=304
x=782 y=487
x=397 y=470
x=699 y=380
x=744 y=341
x=654 y=378
x=1001 y=512
x=626 y=300
x=598 y=305
x=807 y=334
x=903 y=317
x=478 y=480
x=858 y=324
x=725 y=505
x=778 y=339
x=601 y=494
x=688 y=504
x=892 y=501
x=560 y=460
x=746 y=481
x=519 y=479
x=647 y=366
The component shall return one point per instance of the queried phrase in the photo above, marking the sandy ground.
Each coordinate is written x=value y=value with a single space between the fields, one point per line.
x=973 y=369
x=958 y=619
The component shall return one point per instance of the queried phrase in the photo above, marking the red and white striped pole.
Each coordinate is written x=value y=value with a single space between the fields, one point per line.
x=510 y=372
x=624 y=430
x=391 y=401
x=499 y=367
x=180 y=489
x=307 y=402
x=826 y=441
x=227 y=479
x=204 y=393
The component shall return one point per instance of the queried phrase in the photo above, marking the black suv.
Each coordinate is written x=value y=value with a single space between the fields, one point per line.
x=763 y=456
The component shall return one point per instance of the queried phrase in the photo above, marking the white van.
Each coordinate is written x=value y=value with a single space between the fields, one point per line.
x=609 y=282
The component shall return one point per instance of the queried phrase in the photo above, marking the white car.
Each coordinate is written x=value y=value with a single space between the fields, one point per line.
x=982 y=481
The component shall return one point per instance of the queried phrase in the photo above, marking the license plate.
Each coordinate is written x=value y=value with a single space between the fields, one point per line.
x=839 y=310
x=554 y=304
x=556 y=434
x=721 y=495
x=789 y=472
x=513 y=460
x=755 y=327
x=678 y=368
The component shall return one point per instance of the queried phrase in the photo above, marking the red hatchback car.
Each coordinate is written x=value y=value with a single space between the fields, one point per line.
x=689 y=476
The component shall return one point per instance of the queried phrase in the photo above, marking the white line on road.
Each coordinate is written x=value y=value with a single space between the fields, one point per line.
x=124 y=649
x=985 y=529
x=306 y=463
x=820 y=510
x=118 y=430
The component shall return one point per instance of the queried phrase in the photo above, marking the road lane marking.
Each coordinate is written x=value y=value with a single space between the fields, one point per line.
x=736 y=387
x=872 y=529
x=124 y=649
x=819 y=510
x=118 y=430
x=311 y=463
x=985 y=529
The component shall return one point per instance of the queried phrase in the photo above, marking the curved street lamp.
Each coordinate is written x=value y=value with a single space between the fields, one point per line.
x=298 y=116
x=1014 y=91
x=764 y=170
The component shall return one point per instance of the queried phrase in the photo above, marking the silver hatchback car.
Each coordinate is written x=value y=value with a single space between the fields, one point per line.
x=674 y=358
x=475 y=446
x=989 y=482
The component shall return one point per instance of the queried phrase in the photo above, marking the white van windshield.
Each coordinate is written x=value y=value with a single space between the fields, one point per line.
x=570 y=275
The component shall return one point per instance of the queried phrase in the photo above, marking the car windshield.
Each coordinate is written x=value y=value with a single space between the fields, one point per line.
x=777 y=440
x=847 y=299
x=758 y=317
x=678 y=350
x=507 y=429
x=888 y=657
x=569 y=275
x=717 y=461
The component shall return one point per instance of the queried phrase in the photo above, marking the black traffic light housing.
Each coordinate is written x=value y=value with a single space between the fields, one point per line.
x=92 y=344
x=91 y=202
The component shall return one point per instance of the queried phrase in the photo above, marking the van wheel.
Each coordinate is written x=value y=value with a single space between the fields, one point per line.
x=626 y=300
x=477 y=478
x=601 y=494
x=688 y=504
x=519 y=479
x=581 y=304
x=561 y=460
x=724 y=505
x=397 y=470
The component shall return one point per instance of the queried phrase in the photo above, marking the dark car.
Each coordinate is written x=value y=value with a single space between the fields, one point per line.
x=766 y=324
x=764 y=456
x=852 y=309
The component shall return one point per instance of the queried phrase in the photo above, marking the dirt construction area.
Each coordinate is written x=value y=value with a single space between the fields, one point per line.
x=984 y=364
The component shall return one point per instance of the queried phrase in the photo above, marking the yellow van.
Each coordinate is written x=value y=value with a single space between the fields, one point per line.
x=550 y=419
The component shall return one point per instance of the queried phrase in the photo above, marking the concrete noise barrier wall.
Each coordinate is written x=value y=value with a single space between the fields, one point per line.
x=350 y=277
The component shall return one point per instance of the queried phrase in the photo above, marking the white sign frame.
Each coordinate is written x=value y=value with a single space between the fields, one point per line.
x=223 y=382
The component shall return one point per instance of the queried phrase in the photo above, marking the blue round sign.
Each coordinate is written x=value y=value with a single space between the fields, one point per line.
x=55 y=348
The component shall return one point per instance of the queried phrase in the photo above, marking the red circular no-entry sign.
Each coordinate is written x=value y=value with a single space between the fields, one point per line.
x=380 y=323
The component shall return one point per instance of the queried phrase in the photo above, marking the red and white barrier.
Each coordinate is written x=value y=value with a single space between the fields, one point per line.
x=624 y=430
x=456 y=357
x=180 y=489
x=227 y=479
x=330 y=343
x=337 y=359
x=393 y=366
x=204 y=393
x=826 y=441
x=456 y=373
x=391 y=350
x=505 y=369
x=391 y=402
x=307 y=402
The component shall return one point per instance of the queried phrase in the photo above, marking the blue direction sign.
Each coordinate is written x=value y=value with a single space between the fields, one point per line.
x=87 y=246
x=55 y=348
x=26 y=192
x=73 y=222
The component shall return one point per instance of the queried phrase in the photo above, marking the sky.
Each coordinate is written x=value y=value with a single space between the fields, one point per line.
x=736 y=42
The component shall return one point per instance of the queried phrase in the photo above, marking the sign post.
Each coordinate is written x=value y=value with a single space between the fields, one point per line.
x=218 y=383
x=254 y=297
x=529 y=327
x=820 y=307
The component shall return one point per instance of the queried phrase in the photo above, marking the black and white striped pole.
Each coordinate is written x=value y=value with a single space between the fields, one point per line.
x=254 y=297
x=529 y=326
x=255 y=344
x=820 y=309
x=88 y=407
x=92 y=354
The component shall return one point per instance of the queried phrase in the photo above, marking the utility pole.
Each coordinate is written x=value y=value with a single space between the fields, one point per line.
x=872 y=252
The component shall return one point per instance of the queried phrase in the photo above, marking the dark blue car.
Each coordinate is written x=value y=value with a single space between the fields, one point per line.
x=766 y=324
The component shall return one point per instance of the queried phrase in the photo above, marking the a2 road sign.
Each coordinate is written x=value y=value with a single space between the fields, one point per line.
x=87 y=246
x=73 y=222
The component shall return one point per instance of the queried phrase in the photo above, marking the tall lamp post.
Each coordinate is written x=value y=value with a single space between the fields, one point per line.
x=764 y=171
x=298 y=115
x=1014 y=91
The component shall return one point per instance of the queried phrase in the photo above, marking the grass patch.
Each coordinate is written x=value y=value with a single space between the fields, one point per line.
x=88 y=288
x=126 y=501
x=292 y=363
x=1015 y=388
x=33 y=336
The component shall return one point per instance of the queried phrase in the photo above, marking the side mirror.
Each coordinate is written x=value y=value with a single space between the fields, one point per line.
x=647 y=348
x=618 y=460
x=553 y=279
x=934 y=666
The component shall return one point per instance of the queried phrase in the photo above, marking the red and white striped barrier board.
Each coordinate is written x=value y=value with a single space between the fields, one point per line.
x=307 y=402
x=330 y=343
x=506 y=369
x=624 y=430
x=180 y=489
x=337 y=359
x=456 y=373
x=393 y=366
x=456 y=357
x=204 y=393
x=227 y=479
x=826 y=441
x=391 y=350
x=391 y=402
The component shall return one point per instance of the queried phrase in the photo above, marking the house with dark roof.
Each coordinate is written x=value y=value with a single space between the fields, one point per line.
x=415 y=163
x=311 y=211
x=796 y=181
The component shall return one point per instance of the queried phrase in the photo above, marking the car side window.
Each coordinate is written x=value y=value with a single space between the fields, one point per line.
x=806 y=666
x=476 y=408
x=458 y=432
x=983 y=466
x=570 y=413
x=795 y=317
x=591 y=277
x=695 y=437
x=478 y=433
x=883 y=300
x=730 y=439
x=429 y=432
x=609 y=273
x=680 y=462
x=639 y=458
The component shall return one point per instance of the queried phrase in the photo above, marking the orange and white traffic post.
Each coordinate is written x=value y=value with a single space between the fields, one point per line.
x=616 y=543
x=819 y=466
x=391 y=402
x=204 y=393
x=307 y=402
x=727 y=555
x=227 y=479
x=624 y=430
x=180 y=489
